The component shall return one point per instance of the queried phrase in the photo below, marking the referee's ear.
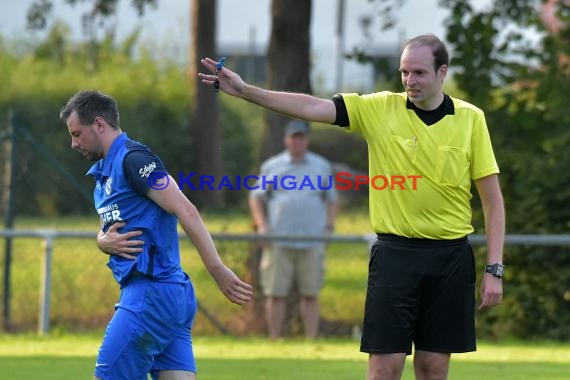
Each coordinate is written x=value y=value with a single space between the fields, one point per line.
x=442 y=72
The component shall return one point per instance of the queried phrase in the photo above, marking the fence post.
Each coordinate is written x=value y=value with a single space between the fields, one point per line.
x=45 y=285
x=8 y=205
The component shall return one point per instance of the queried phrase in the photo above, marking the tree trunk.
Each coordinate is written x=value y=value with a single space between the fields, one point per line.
x=206 y=140
x=288 y=63
x=288 y=69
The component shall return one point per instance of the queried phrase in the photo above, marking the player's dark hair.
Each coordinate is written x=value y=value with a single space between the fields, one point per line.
x=91 y=104
x=438 y=48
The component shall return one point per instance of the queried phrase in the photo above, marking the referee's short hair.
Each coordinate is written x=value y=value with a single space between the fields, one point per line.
x=438 y=48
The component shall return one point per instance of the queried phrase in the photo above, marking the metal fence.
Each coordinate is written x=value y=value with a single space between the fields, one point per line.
x=78 y=274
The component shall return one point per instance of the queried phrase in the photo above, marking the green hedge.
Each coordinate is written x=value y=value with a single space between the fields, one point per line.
x=153 y=99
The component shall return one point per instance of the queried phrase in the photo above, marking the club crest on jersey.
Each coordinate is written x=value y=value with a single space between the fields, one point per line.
x=108 y=185
x=147 y=169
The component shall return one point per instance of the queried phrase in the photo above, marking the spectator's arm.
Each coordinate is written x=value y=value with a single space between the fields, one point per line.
x=257 y=208
x=332 y=209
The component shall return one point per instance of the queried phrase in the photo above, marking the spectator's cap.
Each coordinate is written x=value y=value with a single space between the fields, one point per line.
x=296 y=126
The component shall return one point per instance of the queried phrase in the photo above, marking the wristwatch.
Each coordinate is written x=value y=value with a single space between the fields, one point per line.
x=496 y=270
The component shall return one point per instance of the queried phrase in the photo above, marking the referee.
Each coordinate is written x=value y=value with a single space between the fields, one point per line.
x=421 y=285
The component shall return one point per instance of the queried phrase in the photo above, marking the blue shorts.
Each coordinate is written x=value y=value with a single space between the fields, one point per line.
x=149 y=332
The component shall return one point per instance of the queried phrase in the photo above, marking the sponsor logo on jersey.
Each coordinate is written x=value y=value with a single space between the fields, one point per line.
x=147 y=169
x=108 y=186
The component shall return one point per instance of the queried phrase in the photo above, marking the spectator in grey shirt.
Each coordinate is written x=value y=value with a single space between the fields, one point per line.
x=295 y=196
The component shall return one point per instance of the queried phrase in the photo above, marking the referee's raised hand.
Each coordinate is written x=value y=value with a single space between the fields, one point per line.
x=223 y=78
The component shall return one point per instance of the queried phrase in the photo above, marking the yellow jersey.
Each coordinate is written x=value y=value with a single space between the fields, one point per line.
x=421 y=173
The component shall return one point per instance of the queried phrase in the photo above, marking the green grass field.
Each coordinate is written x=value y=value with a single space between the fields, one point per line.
x=72 y=357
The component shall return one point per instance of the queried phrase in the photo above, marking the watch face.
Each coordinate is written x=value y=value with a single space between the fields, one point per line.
x=495 y=269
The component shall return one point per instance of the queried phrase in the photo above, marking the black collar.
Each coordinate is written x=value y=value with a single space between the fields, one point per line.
x=431 y=117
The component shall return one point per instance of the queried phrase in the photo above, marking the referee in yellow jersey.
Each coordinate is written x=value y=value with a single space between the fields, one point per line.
x=421 y=285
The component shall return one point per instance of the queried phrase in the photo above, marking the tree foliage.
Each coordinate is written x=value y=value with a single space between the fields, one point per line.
x=204 y=143
x=153 y=98
x=99 y=14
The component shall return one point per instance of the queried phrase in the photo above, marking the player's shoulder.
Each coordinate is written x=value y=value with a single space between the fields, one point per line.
x=136 y=151
x=140 y=155
x=132 y=145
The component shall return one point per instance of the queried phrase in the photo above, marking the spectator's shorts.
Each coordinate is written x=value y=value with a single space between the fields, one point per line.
x=420 y=291
x=282 y=267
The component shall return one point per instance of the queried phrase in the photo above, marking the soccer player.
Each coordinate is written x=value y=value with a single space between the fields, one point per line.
x=421 y=285
x=140 y=205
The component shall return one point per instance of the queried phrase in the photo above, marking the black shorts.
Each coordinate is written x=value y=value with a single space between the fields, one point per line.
x=420 y=291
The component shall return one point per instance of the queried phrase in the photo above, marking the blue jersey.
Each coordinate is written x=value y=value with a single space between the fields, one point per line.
x=122 y=183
